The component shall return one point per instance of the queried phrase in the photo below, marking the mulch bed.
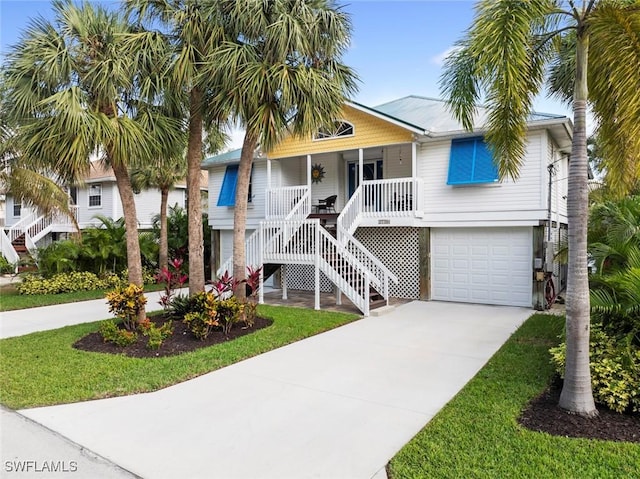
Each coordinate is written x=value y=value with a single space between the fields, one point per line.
x=544 y=415
x=181 y=341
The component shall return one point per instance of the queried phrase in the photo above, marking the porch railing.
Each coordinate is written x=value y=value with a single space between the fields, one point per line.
x=288 y=202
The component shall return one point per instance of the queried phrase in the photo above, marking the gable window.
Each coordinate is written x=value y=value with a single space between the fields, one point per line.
x=227 y=195
x=95 y=196
x=17 y=208
x=337 y=130
x=471 y=162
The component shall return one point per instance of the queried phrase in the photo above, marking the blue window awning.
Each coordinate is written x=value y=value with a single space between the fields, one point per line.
x=471 y=162
x=228 y=191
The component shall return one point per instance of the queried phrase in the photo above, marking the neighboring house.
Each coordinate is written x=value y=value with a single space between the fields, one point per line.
x=26 y=229
x=419 y=211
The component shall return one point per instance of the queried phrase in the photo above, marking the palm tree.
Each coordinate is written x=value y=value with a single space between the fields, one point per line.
x=20 y=179
x=162 y=174
x=279 y=72
x=85 y=84
x=590 y=51
x=195 y=30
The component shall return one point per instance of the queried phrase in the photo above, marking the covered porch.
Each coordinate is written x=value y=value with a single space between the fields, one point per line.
x=360 y=185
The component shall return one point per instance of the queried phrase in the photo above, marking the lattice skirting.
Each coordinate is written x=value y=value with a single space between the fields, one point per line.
x=302 y=277
x=399 y=250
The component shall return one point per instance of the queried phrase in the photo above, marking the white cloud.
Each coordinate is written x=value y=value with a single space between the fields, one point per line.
x=441 y=57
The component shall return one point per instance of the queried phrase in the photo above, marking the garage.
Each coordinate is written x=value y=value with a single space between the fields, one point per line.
x=482 y=265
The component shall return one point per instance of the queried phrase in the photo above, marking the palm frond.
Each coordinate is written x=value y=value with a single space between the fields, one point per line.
x=615 y=89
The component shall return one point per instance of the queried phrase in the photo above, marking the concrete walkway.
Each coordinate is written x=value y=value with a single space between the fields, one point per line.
x=337 y=405
x=25 y=321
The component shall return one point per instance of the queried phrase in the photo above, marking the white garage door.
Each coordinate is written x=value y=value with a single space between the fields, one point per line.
x=482 y=265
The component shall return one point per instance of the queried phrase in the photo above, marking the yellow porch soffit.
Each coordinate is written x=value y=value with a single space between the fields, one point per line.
x=368 y=131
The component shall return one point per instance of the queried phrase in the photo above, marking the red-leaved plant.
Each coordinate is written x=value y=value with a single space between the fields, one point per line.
x=173 y=279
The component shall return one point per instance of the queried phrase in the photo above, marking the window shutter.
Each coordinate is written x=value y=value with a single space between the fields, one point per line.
x=484 y=170
x=471 y=162
x=461 y=162
x=228 y=191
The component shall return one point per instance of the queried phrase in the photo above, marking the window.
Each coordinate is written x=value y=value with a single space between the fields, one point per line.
x=471 y=162
x=95 y=195
x=337 y=130
x=227 y=195
x=17 y=208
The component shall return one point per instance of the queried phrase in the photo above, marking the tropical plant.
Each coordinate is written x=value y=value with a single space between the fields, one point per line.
x=590 y=53
x=92 y=81
x=614 y=245
x=195 y=30
x=278 y=71
x=126 y=302
x=162 y=173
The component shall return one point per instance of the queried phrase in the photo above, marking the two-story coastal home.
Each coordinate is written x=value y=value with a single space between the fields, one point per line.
x=26 y=229
x=415 y=209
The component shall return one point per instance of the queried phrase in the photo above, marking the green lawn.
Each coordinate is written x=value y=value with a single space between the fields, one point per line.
x=43 y=368
x=11 y=300
x=476 y=435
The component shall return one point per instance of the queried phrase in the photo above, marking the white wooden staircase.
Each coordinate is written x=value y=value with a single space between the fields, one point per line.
x=22 y=237
x=287 y=236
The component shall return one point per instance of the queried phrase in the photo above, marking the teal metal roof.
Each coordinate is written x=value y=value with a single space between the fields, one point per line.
x=232 y=156
x=433 y=116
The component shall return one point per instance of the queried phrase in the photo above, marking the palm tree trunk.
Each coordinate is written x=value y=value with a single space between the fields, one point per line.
x=577 y=395
x=240 y=211
x=163 y=261
x=194 y=209
x=134 y=260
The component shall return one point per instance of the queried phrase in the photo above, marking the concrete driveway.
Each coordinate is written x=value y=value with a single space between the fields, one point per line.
x=337 y=405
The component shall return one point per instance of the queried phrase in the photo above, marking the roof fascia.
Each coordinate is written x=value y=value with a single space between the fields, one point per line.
x=388 y=118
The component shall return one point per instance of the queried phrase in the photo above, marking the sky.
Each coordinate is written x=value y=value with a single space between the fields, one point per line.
x=397 y=47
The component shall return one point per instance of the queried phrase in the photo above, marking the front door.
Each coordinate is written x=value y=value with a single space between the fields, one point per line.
x=371 y=170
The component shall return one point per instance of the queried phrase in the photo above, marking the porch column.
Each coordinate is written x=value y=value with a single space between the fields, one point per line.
x=268 y=173
x=283 y=274
x=414 y=160
x=309 y=172
x=360 y=165
x=317 y=266
x=268 y=195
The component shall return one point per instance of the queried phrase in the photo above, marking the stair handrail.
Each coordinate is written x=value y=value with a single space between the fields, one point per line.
x=252 y=243
x=346 y=224
x=19 y=227
x=7 y=249
x=302 y=208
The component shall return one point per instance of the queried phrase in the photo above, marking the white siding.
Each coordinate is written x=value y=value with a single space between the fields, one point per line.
x=522 y=200
x=109 y=198
x=221 y=217
x=148 y=205
x=329 y=185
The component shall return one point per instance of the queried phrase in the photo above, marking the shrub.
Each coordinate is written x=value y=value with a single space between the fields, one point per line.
x=156 y=334
x=615 y=370
x=110 y=332
x=230 y=311
x=5 y=266
x=173 y=278
x=126 y=303
x=67 y=283
x=203 y=317
x=253 y=284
